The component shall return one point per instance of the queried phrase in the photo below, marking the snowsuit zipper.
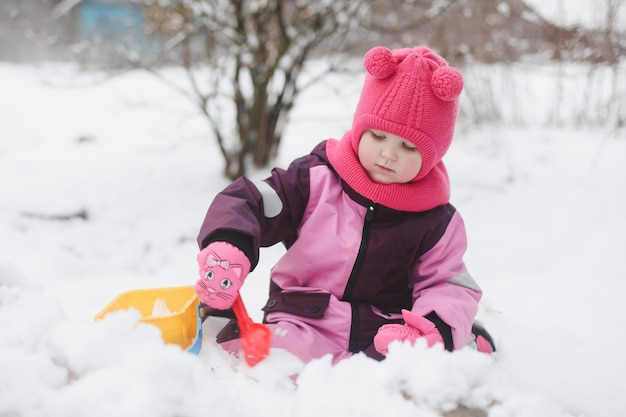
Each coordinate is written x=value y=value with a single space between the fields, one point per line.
x=352 y=280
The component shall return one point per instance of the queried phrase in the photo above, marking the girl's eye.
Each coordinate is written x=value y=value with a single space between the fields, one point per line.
x=409 y=147
x=225 y=284
x=209 y=275
x=376 y=136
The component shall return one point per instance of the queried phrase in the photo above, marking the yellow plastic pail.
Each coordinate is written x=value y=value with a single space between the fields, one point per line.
x=175 y=311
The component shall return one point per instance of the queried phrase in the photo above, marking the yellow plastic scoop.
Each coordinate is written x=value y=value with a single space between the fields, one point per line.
x=175 y=311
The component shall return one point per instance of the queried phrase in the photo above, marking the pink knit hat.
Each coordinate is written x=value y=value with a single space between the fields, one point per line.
x=414 y=94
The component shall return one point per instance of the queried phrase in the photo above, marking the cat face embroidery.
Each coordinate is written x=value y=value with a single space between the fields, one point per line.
x=221 y=283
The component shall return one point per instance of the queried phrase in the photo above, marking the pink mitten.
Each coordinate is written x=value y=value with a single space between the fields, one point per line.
x=416 y=327
x=223 y=268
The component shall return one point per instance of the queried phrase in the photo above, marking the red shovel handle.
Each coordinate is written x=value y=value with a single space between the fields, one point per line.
x=255 y=337
x=241 y=313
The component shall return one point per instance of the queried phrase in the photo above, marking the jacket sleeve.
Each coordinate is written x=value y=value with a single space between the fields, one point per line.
x=443 y=286
x=257 y=214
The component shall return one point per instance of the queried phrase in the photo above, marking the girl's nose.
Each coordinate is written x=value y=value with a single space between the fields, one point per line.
x=387 y=152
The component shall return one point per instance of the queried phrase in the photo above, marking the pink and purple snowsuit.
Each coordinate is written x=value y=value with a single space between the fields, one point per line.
x=351 y=265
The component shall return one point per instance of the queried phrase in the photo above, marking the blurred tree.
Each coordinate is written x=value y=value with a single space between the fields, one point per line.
x=29 y=33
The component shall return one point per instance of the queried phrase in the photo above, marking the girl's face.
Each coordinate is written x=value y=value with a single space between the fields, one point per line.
x=388 y=158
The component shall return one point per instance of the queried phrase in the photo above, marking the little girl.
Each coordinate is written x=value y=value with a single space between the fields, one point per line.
x=374 y=248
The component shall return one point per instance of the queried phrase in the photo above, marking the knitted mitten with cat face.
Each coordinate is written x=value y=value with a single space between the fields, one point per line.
x=223 y=268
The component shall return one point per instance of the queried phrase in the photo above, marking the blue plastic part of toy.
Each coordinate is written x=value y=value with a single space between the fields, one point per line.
x=197 y=341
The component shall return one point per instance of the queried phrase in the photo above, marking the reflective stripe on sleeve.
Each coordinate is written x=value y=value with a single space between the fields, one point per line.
x=272 y=204
x=464 y=280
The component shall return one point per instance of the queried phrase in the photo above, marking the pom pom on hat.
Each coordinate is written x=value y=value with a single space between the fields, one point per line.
x=447 y=83
x=380 y=62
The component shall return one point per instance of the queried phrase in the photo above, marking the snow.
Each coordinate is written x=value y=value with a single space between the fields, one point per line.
x=160 y=308
x=543 y=208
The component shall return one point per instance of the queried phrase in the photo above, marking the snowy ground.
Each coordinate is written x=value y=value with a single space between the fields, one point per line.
x=545 y=217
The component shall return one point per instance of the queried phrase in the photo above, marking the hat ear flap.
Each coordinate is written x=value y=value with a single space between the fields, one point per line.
x=446 y=83
x=380 y=62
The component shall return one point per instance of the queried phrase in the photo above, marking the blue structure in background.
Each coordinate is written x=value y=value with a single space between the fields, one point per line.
x=117 y=28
